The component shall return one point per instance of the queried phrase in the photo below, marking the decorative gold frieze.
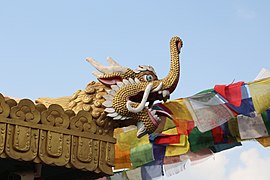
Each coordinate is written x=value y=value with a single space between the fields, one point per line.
x=54 y=148
x=2 y=137
x=25 y=111
x=83 y=122
x=54 y=136
x=4 y=107
x=84 y=153
x=21 y=142
x=55 y=116
x=105 y=155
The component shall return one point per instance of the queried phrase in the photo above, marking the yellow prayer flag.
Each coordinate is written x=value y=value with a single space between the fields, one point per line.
x=172 y=131
x=122 y=153
x=128 y=140
x=181 y=115
x=265 y=141
x=178 y=109
x=178 y=149
x=260 y=93
x=168 y=124
x=122 y=158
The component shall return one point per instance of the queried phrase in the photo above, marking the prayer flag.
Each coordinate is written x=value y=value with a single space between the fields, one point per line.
x=199 y=156
x=178 y=149
x=180 y=115
x=221 y=147
x=176 y=164
x=168 y=139
x=122 y=158
x=264 y=73
x=152 y=170
x=134 y=174
x=169 y=123
x=234 y=129
x=159 y=152
x=178 y=109
x=217 y=135
x=170 y=136
x=246 y=108
x=122 y=155
x=208 y=111
x=232 y=93
x=264 y=141
x=250 y=128
x=199 y=140
x=266 y=120
x=141 y=155
x=119 y=176
x=125 y=137
x=260 y=92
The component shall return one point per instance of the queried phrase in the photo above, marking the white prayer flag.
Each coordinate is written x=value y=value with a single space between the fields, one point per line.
x=264 y=73
x=251 y=127
x=208 y=111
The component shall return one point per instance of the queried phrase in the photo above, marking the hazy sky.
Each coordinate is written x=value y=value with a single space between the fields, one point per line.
x=43 y=46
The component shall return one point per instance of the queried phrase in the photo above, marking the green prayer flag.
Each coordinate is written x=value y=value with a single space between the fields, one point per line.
x=141 y=155
x=266 y=121
x=206 y=91
x=221 y=147
x=199 y=140
x=233 y=128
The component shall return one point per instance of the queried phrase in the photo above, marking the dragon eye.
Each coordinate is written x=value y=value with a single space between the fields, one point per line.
x=148 y=78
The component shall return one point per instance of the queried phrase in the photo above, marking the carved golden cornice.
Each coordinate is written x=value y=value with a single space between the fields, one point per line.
x=53 y=136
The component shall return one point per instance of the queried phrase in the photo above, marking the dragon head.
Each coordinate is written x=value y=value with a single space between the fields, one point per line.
x=132 y=93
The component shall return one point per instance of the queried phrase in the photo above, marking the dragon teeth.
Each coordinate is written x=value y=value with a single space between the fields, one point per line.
x=153 y=112
x=141 y=129
x=113 y=114
x=123 y=118
x=111 y=92
x=107 y=104
x=126 y=82
x=117 y=117
x=120 y=84
x=137 y=80
x=131 y=81
x=109 y=110
x=115 y=87
x=108 y=97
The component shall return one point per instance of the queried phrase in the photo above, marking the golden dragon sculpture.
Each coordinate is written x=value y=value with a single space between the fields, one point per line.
x=122 y=94
x=79 y=128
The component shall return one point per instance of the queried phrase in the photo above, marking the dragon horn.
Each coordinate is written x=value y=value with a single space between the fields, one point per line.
x=113 y=68
x=112 y=62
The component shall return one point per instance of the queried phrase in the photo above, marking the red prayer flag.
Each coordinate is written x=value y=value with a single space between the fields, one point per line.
x=217 y=135
x=168 y=139
x=232 y=93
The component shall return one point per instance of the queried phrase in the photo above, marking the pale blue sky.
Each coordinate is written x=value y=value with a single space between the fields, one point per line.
x=43 y=46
